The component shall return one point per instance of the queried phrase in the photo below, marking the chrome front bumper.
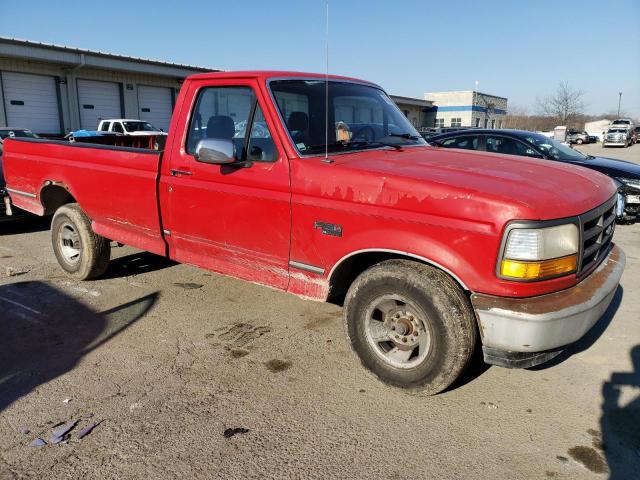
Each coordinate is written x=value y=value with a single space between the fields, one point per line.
x=548 y=322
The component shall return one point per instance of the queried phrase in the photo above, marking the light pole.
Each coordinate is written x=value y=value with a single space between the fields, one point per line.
x=619 y=100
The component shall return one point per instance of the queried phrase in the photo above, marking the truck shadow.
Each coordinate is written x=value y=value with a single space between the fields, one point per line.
x=44 y=333
x=590 y=337
x=24 y=224
x=620 y=421
x=136 y=264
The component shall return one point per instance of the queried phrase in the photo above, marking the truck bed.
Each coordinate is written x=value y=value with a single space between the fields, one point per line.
x=102 y=178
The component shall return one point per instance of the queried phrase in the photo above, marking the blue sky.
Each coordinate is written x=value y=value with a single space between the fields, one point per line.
x=517 y=49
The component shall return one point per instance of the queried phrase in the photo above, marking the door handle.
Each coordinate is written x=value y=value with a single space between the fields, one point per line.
x=175 y=172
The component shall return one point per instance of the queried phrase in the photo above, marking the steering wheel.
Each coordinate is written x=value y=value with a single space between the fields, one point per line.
x=366 y=133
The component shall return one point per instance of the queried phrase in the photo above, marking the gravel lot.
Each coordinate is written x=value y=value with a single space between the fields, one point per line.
x=169 y=357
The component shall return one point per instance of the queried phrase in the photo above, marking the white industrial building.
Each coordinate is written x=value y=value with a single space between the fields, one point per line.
x=53 y=89
x=467 y=108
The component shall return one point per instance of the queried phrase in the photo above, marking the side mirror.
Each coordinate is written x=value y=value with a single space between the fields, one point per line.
x=217 y=151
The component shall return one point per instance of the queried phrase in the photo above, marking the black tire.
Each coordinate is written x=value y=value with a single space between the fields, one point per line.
x=447 y=314
x=71 y=231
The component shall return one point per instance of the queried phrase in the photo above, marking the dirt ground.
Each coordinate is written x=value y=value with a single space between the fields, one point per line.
x=195 y=375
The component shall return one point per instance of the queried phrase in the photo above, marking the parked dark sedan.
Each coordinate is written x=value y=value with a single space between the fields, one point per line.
x=529 y=144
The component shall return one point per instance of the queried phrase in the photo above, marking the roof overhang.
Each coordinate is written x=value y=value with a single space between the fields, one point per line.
x=27 y=50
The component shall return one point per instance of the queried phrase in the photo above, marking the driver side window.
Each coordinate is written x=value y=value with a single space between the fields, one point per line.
x=232 y=113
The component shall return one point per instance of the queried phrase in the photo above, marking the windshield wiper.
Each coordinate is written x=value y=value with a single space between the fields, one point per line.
x=362 y=143
x=408 y=136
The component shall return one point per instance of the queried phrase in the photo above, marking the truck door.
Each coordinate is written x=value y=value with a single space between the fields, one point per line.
x=226 y=218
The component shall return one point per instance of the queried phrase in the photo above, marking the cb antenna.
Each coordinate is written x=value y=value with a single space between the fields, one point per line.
x=326 y=89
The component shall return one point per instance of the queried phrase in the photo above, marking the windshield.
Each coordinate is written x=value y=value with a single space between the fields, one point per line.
x=17 y=133
x=621 y=122
x=553 y=148
x=139 y=127
x=360 y=116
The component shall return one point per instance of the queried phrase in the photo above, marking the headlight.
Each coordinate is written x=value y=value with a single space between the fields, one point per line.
x=538 y=253
x=630 y=182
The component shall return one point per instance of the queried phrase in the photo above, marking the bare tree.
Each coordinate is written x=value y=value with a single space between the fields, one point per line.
x=565 y=106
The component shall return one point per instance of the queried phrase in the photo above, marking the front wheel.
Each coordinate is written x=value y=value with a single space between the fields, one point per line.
x=81 y=252
x=410 y=325
x=579 y=141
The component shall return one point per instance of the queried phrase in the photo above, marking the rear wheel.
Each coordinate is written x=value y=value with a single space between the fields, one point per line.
x=80 y=252
x=410 y=325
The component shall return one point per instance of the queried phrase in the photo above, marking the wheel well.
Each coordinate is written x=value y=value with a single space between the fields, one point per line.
x=53 y=197
x=349 y=269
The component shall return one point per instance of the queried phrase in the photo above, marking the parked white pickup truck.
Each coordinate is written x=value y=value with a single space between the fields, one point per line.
x=126 y=126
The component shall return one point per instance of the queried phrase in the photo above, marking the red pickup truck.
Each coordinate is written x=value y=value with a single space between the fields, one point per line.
x=430 y=250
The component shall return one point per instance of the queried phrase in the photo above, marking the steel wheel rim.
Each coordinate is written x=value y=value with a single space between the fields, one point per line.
x=397 y=331
x=70 y=244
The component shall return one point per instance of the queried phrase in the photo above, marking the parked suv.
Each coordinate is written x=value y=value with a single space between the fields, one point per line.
x=623 y=122
x=575 y=136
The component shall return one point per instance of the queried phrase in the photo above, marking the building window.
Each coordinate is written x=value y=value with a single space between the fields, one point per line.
x=493 y=124
x=499 y=123
x=406 y=113
x=486 y=122
x=439 y=122
x=477 y=122
x=456 y=122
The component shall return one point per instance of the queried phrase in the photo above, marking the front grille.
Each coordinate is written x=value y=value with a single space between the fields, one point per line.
x=596 y=232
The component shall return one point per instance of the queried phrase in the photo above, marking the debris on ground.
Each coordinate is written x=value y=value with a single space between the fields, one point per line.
x=64 y=429
x=189 y=286
x=12 y=272
x=87 y=430
x=66 y=400
x=61 y=432
x=230 y=432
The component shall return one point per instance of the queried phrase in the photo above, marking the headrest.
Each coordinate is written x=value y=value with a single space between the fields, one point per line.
x=298 y=122
x=221 y=126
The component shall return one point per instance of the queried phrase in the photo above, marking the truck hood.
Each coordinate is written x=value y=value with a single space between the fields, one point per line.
x=478 y=185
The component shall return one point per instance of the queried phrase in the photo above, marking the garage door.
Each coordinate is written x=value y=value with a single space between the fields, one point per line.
x=155 y=105
x=31 y=101
x=98 y=101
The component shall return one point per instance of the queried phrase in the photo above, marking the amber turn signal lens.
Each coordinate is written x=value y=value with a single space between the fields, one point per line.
x=538 y=270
